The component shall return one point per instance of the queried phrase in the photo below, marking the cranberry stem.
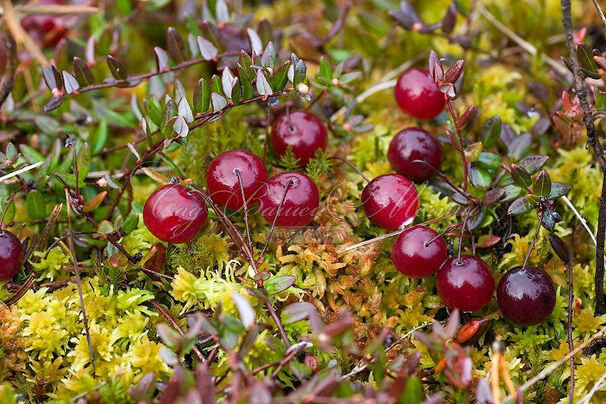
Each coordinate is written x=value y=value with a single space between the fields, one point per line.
x=349 y=163
x=455 y=119
x=461 y=238
x=273 y=225
x=534 y=239
x=245 y=206
x=444 y=178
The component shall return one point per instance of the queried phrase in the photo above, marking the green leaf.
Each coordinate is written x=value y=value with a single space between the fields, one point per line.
x=479 y=177
x=325 y=71
x=105 y=227
x=99 y=138
x=522 y=205
x=152 y=108
x=247 y=88
x=491 y=131
x=472 y=152
x=278 y=284
x=511 y=192
x=83 y=160
x=542 y=184
x=520 y=176
x=586 y=62
x=124 y=7
x=130 y=223
x=280 y=77
x=413 y=393
x=489 y=161
x=31 y=155
x=201 y=96
x=34 y=202
x=5 y=194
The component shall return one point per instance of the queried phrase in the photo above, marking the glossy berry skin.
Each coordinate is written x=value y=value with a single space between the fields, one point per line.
x=11 y=255
x=301 y=130
x=419 y=252
x=414 y=144
x=418 y=95
x=46 y=30
x=174 y=213
x=466 y=284
x=390 y=201
x=222 y=181
x=526 y=296
x=300 y=203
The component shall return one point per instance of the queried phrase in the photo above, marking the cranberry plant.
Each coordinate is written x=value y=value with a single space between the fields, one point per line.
x=265 y=202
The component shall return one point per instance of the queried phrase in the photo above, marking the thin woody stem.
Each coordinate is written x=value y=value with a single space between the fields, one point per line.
x=245 y=205
x=349 y=163
x=273 y=224
x=534 y=239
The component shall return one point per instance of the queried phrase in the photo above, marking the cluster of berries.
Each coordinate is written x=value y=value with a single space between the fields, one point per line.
x=237 y=179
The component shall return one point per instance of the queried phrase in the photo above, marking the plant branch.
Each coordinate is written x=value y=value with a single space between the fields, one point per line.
x=593 y=140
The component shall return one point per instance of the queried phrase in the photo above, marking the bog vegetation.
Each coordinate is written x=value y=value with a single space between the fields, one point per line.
x=323 y=201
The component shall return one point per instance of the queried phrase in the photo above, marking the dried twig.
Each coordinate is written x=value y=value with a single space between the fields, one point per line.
x=11 y=66
x=13 y=24
x=593 y=139
x=600 y=12
x=72 y=252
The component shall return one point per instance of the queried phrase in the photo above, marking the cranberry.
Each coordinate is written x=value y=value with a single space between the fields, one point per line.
x=526 y=295
x=174 y=213
x=300 y=203
x=301 y=130
x=414 y=144
x=418 y=95
x=390 y=201
x=11 y=255
x=46 y=30
x=465 y=284
x=418 y=252
x=222 y=178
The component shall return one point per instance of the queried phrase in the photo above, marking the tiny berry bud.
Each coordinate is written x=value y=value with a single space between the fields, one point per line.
x=335 y=81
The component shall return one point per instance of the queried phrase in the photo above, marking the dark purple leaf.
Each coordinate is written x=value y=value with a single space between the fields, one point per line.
x=175 y=46
x=522 y=205
x=491 y=131
x=117 y=68
x=558 y=189
x=465 y=117
x=519 y=146
x=533 y=163
x=450 y=19
x=161 y=59
x=436 y=71
x=493 y=195
x=454 y=72
x=52 y=77
x=559 y=247
x=83 y=74
x=53 y=103
x=542 y=184
x=520 y=176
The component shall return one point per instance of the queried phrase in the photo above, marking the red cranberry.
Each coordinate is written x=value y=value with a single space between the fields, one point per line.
x=301 y=130
x=174 y=213
x=390 y=201
x=46 y=30
x=11 y=255
x=300 y=203
x=222 y=178
x=418 y=252
x=414 y=144
x=418 y=95
x=526 y=295
x=465 y=284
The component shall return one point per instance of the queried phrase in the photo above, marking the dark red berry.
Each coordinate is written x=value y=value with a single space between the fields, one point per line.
x=414 y=144
x=465 y=284
x=46 y=30
x=222 y=178
x=300 y=203
x=390 y=201
x=526 y=296
x=11 y=255
x=419 y=252
x=174 y=213
x=418 y=95
x=301 y=130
